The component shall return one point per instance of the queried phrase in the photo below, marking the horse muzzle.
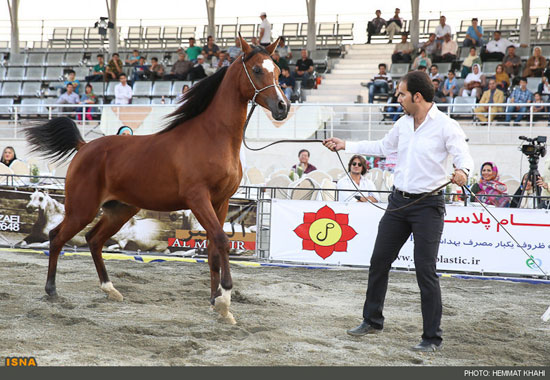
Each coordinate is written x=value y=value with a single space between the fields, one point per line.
x=279 y=109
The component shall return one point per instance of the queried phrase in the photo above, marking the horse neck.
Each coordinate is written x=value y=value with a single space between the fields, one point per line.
x=53 y=206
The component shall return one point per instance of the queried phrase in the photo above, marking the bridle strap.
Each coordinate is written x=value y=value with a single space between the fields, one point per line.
x=256 y=91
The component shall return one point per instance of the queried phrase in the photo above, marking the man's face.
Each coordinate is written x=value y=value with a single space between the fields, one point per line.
x=100 y=60
x=69 y=89
x=210 y=39
x=432 y=37
x=511 y=51
x=405 y=98
x=200 y=60
x=237 y=42
x=378 y=13
x=71 y=77
x=436 y=84
x=304 y=157
x=142 y=61
x=474 y=22
x=403 y=38
x=397 y=11
x=451 y=75
x=181 y=57
x=191 y=42
x=123 y=80
x=116 y=57
x=442 y=20
x=475 y=69
x=281 y=43
x=496 y=36
x=304 y=54
x=382 y=69
x=433 y=70
x=286 y=73
x=538 y=99
x=136 y=53
x=222 y=56
x=523 y=84
x=492 y=85
x=447 y=37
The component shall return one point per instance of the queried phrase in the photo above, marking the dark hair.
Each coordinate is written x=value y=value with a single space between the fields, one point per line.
x=363 y=163
x=71 y=72
x=404 y=34
x=522 y=79
x=382 y=64
x=436 y=80
x=474 y=19
x=100 y=55
x=422 y=50
x=302 y=151
x=497 y=31
x=434 y=65
x=89 y=85
x=14 y=156
x=69 y=84
x=422 y=67
x=135 y=50
x=452 y=72
x=418 y=81
x=209 y=37
x=154 y=59
x=473 y=47
x=192 y=38
x=122 y=75
x=282 y=39
x=115 y=54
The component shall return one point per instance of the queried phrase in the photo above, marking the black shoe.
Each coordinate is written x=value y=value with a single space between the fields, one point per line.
x=363 y=329
x=426 y=346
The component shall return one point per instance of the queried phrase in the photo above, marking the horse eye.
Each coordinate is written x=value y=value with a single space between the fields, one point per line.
x=40 y=199
x=257 y=70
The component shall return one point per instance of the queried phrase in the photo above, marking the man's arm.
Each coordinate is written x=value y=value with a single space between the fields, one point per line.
x=455 y=142
x=262 y=30
x=376 y=148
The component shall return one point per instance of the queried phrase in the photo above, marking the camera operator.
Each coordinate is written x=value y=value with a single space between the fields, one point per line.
x=534 y=148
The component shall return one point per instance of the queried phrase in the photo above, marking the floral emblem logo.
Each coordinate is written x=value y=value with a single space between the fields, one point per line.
x=325 y=232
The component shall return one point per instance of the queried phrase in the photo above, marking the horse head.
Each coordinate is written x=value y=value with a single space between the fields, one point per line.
x=260 y=81
x=38 y=201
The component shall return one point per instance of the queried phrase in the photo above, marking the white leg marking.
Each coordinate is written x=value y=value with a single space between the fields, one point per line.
x=112 y=293
x=221 y=305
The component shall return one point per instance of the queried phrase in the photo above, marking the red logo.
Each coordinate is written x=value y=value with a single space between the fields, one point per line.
x=325 y=232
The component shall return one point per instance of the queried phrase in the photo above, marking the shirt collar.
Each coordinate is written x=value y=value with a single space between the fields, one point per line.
x=432 y=113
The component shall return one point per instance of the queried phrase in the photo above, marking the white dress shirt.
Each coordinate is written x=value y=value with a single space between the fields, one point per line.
x=421 y=154
x=123 y=94
x=499 y=46
x=364 y=184
x=440 y=31
x=266 y=26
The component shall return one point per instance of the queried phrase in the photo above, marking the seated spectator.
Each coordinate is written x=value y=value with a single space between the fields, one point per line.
x=304 y=167
x=544 y=89
x=98 y=71
x=502 y=78
x=469 y=61
x=8 y=156
x=535 y=64
x=141 y=71
x=450 y=87
x=254 y=41
x=71 y=79
x=304 y=69
x=181 y=97
x=402 y=51
x=474 y=35
x=123 y=91
x=441 y=30
x=525 y=200
x=133 y=60
x=68 y=97
x=512 y=62
x=473 y=83
x=439 y=96
x=198 y=70
x=432 y=50
x=395 y=112
x=421 y=59
x=210 y=50
x=539 y=111
x=281 y=62
x=375 y=26
x=394 y=25
x=235 y=50
x=357 y=168
x=520 y=95
x=287 y=82
x=193 y=51
x=223 y=61
x=492 y=95
x=381 y=83
x=156 y=71
x=87 y=98
x=489 y=190
x=449 y=49
x=114 y=67
x=125 y=131
x=180 y=69
x=283 y=50
x=495 y=50
x=435 y=74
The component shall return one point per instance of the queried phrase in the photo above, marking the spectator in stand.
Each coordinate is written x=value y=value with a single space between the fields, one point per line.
x=380 y=83
x=141 y=71
x=123 y=91
x=422 y=68
x=544 y=89
x=210 y=50
x=133 y=60
x=304 y=167
x=279 y=61
x=114 y=67
x=357 y=168
x=223 y=61
x=192 y=51
x=471 y=59
x=125 y=131
x=439 y=96
x=450 y=87
x=402 y=51
x=474 y=35
x=441 y=30
x=539 y=110
x=491 y=96
x=304 y=67
x=283 y=50
x=68 y=97
x=435 y=74
x=519 y=95
x=473 y=83
x=535 y=64
x=375 y=26
x=489 y=190
x=394 y=25
x=449 y=50
x=512 y=62
x=180 y=69
x=502 y=78
x=254 y=41
x=395 y=112
x=265 y=30
x=525 y=201
x=496 y=48
x=8 y=156
x=98 y=71
x=421 y=60
x=287 y=82
x=156 y=69
x=180 y=98
x=198 y=71
x=431 y=46
x=235 y=50
x=87 y=98
x=71 y=79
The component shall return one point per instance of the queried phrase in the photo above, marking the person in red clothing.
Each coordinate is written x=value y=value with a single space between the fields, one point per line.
x=304 y=164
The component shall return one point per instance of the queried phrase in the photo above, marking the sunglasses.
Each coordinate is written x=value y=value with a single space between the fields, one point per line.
x=356 y=164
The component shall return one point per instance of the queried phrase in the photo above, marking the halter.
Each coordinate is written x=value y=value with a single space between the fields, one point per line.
x=256 y=91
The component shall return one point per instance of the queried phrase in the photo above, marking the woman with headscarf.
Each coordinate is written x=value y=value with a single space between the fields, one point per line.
x=502 y=78
x=489 y=189
x=469 y=61
x=536 y=64
x=8 y=156
x=474 y=82
x=357 y=168
x=125 y=131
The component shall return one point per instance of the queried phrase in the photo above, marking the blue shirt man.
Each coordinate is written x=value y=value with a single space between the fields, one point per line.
x=519 y=95
x=473 y=35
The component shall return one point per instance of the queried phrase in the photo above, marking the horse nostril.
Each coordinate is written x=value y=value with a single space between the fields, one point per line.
x=281 y=106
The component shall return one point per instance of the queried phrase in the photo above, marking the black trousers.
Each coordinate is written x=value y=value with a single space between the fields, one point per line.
x=425 y=221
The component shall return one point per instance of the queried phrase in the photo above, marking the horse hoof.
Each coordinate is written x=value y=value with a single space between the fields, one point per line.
x=221 y=305
x=112 y=293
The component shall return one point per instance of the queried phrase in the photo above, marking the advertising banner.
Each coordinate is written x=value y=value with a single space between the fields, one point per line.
x=344 y=234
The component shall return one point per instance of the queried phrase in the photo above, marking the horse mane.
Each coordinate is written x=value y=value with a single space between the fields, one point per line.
x=196 y=100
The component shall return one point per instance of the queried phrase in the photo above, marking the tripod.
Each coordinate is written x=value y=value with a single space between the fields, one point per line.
x=532 y=177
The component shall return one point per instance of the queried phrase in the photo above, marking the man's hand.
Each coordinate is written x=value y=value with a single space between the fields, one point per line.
x=459 y=177
x=334 y=144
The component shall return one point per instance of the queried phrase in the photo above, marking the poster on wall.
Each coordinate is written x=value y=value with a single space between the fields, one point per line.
x=27 y=215
x=340 y=233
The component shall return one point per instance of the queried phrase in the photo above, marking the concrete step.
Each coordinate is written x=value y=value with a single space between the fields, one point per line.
x=343 y=82
x=356 y=63
x=349 y=72
x=335 y=87
x=331 y=99
x=369 y=47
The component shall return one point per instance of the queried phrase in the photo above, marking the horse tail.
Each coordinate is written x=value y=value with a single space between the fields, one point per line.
x=57 y=139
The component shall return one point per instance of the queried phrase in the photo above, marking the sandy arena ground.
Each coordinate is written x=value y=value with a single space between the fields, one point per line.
x=285 y=316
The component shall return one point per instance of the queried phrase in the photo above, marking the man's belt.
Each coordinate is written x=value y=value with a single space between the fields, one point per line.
x=406 y=195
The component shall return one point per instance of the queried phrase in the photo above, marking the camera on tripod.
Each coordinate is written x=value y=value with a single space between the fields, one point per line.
x=535 y=147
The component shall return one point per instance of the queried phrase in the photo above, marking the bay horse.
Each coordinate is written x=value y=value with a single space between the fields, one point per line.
x=193 y=163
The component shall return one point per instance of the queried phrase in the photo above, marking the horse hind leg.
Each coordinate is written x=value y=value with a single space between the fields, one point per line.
x=115 y=215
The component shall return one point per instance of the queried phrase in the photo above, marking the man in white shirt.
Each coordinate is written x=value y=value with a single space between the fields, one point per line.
x=495 y=50
x=441 y=30
x=423 y=140
x=265 y=30
x=123 y=92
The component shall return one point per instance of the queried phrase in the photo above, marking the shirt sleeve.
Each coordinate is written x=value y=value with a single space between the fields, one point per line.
x=455 y=142
x=382 y=147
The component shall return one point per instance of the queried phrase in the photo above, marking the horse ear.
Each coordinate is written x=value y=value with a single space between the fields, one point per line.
x=244 y=46
x=271 y=48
